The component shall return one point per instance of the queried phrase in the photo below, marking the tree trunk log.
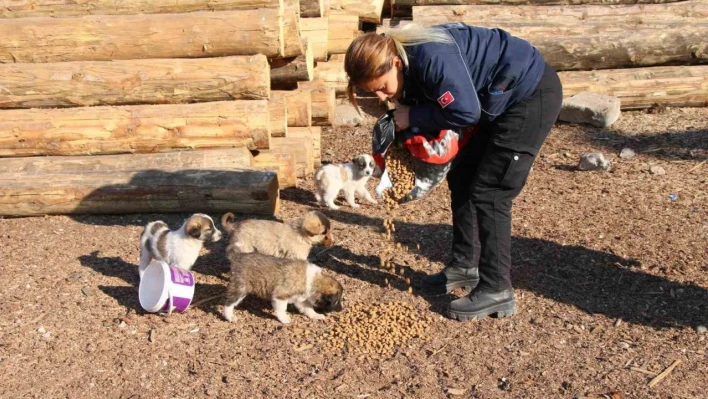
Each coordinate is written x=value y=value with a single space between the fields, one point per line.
x=301 y=148
x=281 y=163
x=329 y=74
x=367 y=10
x=120 y=37
x=411 y=3
x=155 y=81
x=638 y=88
x=311 y=8
x=198 y=181
x=324 y=105
x=696 y=10
x=134 y=129
x=68 y=8
x=315 y=134
x=278 y=116
x=343 y=29
x=292 y=35
x=286 y=71
x=299 y=105
x=316 y=32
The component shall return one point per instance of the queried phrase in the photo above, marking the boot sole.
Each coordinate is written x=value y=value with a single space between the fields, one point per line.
x=437 y=290
x=500 y=310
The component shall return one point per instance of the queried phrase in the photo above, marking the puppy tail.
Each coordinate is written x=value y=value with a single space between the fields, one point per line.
x=227 y=222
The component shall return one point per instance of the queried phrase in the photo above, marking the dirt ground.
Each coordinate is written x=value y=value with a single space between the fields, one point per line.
x=610 y=271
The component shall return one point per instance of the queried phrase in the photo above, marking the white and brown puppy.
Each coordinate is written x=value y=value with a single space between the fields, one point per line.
x=292 y=239
x=282 y=281
x=350 y=177
x=180 y=247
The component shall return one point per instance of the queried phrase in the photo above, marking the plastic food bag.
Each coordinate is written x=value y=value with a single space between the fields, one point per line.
x=433 y=155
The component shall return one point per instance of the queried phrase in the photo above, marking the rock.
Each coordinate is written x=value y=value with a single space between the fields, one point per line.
x=701 y=329
x=657 y=170
x=41 y=330
x=591 y=108
x=593 y=161
x=47 y=335
x=624 y=345
x=627 y=153
x=347 y=115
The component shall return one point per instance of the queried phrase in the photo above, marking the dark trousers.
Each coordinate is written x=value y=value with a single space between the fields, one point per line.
x=490 y=172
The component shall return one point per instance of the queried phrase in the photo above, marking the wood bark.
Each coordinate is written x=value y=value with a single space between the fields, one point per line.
x=286 y=71
x=638 y=88
x=299 y=105
x=301 y=148
x=154 y=81
x=281 y=163
x=324 y=105
x=311 y=8
x=68 y=8
x=278 y=116
x=411 y=3
x=367 y=10
x=120 y=37
x=292 y=35
x=134 y=129
x=199 y=181
x=315 y=134
x=694 y=10
x=316 y=32
x=343 y=29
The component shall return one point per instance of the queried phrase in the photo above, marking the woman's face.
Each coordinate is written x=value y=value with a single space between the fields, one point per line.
x=388 y=86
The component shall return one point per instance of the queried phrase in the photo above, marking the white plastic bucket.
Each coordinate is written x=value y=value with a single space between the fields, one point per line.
x=165 y=288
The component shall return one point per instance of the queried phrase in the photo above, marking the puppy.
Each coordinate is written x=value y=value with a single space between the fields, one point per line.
x=350 y=177
x=291 y=240
x=282 y=281
x=179 y=247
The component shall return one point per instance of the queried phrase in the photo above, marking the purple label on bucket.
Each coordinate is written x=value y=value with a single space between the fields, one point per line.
x=180 y=304
x=181 y=277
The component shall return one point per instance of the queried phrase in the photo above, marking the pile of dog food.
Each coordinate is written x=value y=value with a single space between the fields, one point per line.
x=377 y=330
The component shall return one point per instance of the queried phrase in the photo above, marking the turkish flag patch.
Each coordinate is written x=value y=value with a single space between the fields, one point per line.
x=446 y=99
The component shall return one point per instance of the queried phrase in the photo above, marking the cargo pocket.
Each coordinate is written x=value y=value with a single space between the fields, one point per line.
x=517 y=172
x=494 y=104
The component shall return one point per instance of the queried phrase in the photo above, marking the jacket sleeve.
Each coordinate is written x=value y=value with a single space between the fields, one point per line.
x=446 y=81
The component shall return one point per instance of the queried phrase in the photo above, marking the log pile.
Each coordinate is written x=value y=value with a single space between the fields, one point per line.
x=646 y=52
x=138 y=106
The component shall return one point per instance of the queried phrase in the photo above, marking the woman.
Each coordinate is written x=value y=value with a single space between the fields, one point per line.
x=454 y=76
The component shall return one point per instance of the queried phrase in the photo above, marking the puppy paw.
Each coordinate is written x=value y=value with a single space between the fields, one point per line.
x=229 y=315
x=355 y=205
x=285 y=319
x=316 y=316
x=373 y=201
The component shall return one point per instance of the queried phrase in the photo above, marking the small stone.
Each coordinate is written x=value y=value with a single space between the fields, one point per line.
x=591 y=108
x=41 y=330
x=122 y=324
x=657 y=170
x=593 y=161
x=701 y=329
x=624 y=345
x=86 y=291
x=347 y=115
x=627 y=153
x=47 y=335
x=329 y=152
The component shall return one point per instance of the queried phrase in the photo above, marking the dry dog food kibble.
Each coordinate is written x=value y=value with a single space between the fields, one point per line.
x=399 y=164
x=377 y=330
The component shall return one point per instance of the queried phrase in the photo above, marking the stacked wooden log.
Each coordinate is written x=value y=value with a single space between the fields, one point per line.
x=164 y=106
x=646 y=54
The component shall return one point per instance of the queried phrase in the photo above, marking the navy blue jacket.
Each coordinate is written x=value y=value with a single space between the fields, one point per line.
x=484 y=71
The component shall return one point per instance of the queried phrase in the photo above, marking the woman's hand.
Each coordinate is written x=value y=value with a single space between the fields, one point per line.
x=401 y=116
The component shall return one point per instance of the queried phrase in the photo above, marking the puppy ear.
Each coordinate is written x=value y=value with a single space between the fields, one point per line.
x=194 y=230
x=312 y=224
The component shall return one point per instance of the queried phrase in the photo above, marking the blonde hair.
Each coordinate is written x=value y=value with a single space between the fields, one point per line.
x=371 y=55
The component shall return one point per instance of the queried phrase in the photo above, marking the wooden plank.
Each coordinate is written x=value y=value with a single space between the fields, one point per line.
x=153 y=81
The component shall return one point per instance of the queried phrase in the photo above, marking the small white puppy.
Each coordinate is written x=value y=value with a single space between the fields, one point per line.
x=178 y=248
x=350 y=177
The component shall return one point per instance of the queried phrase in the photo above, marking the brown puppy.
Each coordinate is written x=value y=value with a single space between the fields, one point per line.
x=283 y=281
x=179 y=247
x=291 y=240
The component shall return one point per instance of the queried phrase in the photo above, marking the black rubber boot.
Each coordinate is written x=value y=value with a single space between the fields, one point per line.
x=483 y=302
x=451 y=278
